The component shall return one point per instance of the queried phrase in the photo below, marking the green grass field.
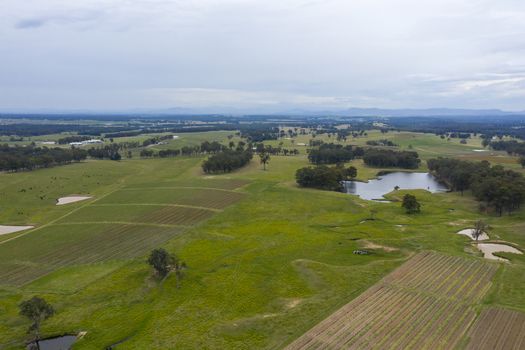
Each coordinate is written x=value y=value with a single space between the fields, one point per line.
x=266 y=260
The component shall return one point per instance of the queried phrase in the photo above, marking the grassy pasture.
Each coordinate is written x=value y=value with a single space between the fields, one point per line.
x=270 y=263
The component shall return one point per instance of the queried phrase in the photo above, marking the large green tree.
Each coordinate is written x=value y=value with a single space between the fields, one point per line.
x=37 y=310
x=411 y=204
x=164 y=262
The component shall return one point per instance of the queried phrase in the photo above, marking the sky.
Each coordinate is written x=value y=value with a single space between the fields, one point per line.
x=261 y=55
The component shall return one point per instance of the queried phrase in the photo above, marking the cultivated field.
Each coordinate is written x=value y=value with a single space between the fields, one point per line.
x=498 y=329
x=124 y=225
x=424 y=304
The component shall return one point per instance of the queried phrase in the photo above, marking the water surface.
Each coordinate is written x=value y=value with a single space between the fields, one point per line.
x=377 y=188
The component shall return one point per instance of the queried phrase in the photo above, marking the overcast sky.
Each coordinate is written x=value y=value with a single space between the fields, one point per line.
x=262 y=54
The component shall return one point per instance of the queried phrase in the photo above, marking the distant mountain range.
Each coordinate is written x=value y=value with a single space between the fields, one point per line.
x=350 y=112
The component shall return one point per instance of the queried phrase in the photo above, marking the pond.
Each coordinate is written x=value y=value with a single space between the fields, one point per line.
x=377 y=188
x=59 y=343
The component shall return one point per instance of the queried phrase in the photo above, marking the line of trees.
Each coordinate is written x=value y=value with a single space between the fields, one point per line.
x=275 y=151
x=155 y=140
x=388 y=158
x=512 y=147
x=107 y=152
x=324 y=177
x=494 y=186
x=383 y=142
x=31 y=157
x=226 y=161
x=330 y=153
x=73 y=138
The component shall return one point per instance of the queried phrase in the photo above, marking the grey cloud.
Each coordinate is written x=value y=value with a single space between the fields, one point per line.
x=30 y=23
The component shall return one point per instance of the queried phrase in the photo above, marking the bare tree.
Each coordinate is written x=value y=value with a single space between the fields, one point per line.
x=479 y=229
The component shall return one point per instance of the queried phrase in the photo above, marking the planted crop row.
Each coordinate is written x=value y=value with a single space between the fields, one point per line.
x=498 y=329
x=176 y=216
x=406 y=309
x=206 y=198
x=453 y=277
x=64 y=245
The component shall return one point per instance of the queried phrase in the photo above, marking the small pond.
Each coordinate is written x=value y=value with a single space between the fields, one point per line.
x=377 y=188
x=59 y=343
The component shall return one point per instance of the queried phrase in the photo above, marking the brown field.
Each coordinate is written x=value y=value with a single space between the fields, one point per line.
x=498 y=329
x=424 y=304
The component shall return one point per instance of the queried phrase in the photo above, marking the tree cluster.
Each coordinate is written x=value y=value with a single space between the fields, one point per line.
x=324 y=177
x=383 y=142
x=74 y=138
x=512 y=147
x=275 y=151
x=496 y=187
x=386 y=158
x=107 y=152
x=226 y=161
x=330 y=153
x=31 y=157
x=155 y=140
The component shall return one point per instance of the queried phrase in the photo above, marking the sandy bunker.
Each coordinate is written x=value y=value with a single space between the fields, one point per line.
x=470 y=233
x=71 y=199
x=4 y=230
x=489 y=248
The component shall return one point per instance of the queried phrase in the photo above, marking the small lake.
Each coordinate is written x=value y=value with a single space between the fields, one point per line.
x=377 y=188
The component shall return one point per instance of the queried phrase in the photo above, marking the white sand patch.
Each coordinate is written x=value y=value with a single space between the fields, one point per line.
x=470 y=233
x=71 y=199
x=301 y=144
x=175 y=137
x=489 y=248
x=479 y=150
x=4 y=230
x=372 y=245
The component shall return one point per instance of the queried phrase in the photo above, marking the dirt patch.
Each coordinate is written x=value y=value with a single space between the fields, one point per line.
x=4 y=230
x=372 y=245
x=71 y=199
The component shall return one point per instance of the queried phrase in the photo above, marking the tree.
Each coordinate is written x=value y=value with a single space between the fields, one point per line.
x=37 y=310
x=351 y=172
x=265 y=158
x=163 y=262
x=479 y=228
x=411 y=204
x=522 y=161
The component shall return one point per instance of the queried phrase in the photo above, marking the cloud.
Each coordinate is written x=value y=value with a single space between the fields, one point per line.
x=30 y=23
x=311 y=53
x=59 y=18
